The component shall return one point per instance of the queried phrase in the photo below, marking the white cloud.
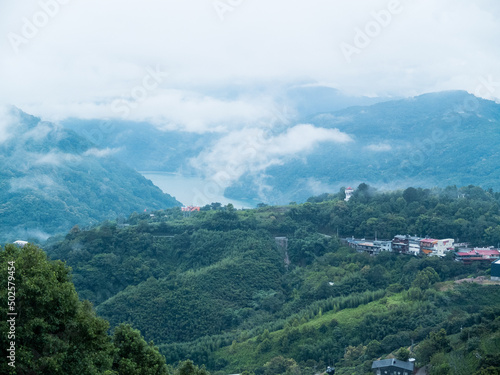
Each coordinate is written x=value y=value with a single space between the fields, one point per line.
x=379 y=147
x=39 y=132
x=54 y=158
x=38 y=182
x=253 y=150
x=93 y=52
x=7 y=123
x=101 y=153
x=168 y=110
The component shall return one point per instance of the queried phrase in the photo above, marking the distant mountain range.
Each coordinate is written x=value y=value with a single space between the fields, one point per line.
x=52 y=179
x=437 y=139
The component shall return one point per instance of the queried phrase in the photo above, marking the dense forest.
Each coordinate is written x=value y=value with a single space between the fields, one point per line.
x=217 y=287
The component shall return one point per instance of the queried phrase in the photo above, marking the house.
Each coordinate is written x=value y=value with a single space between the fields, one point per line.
x=431 y=246
x=21 y=243
x=365 y=246
x=487 y=254
x=406 y=244
x=370 y=247
x=401 y=244
x=495 y=270
x=393 y=366
x=190 y=209
x=383 y=245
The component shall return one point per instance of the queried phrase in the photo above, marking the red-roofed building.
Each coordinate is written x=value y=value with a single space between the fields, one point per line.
x=190 y=208
x=478 y=254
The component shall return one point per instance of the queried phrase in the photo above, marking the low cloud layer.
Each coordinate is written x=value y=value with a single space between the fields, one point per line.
x=253 y=150
x=101 y=153
x=168 y=110
x=90 y=53
x=6 y=123
x=39 y=182
x=379 y=147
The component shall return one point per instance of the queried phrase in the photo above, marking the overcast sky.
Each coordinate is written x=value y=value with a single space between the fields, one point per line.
x=178 y=62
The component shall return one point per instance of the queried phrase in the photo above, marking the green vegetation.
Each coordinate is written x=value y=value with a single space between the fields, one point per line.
x=215 y=287
x=55 y=333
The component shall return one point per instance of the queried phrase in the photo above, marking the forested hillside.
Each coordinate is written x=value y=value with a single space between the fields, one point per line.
x=52 y=179
x=217 y=287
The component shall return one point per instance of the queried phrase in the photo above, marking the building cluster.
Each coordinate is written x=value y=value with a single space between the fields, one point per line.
x=190 y=209
x=477 y=254
x=413 y=245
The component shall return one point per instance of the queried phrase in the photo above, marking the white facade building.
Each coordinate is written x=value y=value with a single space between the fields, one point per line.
x=348 y=193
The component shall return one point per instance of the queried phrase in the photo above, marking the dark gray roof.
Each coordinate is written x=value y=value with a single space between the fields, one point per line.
x=393 y=362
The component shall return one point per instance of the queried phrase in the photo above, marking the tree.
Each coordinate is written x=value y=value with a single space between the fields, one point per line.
x=403 y=354
x=55 y=332
x=189 y=368
x=134 y=356
x=425 y=278
x=280 y=365
x=437 y=342
x=410 y=195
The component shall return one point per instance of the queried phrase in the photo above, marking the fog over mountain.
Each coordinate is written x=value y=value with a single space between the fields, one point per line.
x=437 y=139
x=52 y=179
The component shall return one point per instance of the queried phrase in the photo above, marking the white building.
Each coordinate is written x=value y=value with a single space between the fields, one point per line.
x=431 y=246
x=348 y=193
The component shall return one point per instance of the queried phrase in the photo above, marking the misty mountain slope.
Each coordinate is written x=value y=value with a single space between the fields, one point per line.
x=437 y=139
x=142 y=146
x=52 y=179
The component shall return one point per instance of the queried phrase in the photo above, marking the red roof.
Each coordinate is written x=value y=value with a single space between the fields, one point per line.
x=483 y=253
x=430 y=240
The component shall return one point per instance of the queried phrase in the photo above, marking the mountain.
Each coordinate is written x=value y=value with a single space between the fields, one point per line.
x=141 y=145
x=438 y=139
x=52 y=179
x=309 y=99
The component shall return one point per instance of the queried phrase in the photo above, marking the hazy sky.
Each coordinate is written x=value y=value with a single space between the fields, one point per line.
x=177 y=63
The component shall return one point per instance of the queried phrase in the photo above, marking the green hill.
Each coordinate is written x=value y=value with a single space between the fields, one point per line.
x=215 y=287
x=52 y=179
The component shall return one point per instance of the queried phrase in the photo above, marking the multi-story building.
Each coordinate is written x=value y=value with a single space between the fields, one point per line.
x=401 y=244
x=431 y=246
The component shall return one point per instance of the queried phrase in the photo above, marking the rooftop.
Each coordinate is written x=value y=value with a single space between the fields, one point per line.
x=393 y=362
x=479 y=252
